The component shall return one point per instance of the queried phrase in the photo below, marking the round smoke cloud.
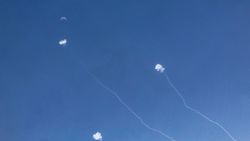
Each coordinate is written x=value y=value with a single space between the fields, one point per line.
x=159 y=68
x=97 y=136
x=63 y=42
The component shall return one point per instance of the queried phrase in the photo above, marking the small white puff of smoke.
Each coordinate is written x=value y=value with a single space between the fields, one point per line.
x=97 y=136
x=159 y=68
x=63 y=42
x=63 y=18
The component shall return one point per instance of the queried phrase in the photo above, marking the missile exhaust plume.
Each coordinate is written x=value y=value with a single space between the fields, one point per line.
x=143 y=123
x=196 y=111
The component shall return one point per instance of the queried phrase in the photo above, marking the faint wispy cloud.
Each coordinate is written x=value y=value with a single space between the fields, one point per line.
x=63 y=18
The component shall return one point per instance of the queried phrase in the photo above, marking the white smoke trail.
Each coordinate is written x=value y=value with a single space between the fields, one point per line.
x=196 y=111
x=130 y=110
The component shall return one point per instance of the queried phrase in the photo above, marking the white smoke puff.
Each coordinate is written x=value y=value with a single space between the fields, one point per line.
x=63 y=18
x=159 y=68
x=63 y=42
x=97 y=136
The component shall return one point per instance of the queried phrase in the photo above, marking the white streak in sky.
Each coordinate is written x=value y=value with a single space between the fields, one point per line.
x=196 y=111
x=130 y=110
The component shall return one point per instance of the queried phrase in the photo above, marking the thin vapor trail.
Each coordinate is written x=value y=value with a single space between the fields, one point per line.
x=130 y=110
x=196 y=111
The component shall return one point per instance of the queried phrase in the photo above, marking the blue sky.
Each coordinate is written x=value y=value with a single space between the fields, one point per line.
x=47 y=95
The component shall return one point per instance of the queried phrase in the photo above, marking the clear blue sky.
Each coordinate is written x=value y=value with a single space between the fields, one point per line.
x=46 y=94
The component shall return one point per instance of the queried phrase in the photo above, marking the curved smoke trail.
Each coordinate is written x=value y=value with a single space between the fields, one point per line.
x=196 y=111
x=130 y=110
